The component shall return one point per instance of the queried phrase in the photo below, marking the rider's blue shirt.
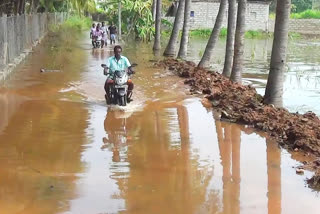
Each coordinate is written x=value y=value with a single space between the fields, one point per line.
x=113 y=64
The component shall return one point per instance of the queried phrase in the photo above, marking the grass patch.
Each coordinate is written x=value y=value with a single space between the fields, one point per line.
x=308 y=14
x=78 y=23
x=75 y=23
x=272 y=16
x=293 y=35
x=251 y=34
x=200 y=33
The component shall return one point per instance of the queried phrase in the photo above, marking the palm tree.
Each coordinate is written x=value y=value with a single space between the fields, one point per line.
x=157 y=45
x=171 y=47
x=236 y=74
x=205 y=60
x=153 y=9
x=274 y=89
x=232 y=12
x=185 y=31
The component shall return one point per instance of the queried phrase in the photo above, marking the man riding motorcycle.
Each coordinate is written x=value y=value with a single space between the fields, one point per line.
x=114 y=63
x=97 y=36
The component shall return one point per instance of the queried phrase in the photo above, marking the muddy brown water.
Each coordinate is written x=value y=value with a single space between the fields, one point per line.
x=62 y=150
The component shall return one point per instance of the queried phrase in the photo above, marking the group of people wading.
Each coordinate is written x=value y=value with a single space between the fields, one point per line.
x=100 y=33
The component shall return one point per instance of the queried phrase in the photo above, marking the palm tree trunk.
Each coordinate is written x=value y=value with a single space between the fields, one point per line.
x=185 y=31
x=232 y=15
x=119 y=21
x=171 y=47
x=205 y=60
x=154 y=8
x=21 y=7
x=157 y=45
x=274 y=89
x=236 y=74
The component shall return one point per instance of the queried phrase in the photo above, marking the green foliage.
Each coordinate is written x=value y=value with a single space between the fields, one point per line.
x=74 y=23
x=272 y=16
x=308 y=14
x=293 y=35
x=78 y=23
x=79 y=7
x=136 y=17
x=251 y=34
x=297 y=6
x=300 y=5
x=166 y=33
x=166 y=23
x=200 y=33
x=223 y=32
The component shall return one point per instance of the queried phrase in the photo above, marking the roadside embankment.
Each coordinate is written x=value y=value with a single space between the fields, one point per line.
x=19 y=34
x=242 y=104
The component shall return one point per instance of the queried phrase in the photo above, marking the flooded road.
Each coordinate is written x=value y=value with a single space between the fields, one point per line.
x=62 y=150
x=302 y=78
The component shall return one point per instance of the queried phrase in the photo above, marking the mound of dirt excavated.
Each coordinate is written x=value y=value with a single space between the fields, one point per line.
x=242 y=104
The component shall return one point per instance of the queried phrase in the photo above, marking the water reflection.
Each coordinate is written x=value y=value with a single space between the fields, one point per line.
x=229 y=146
x=9 y=104
x=162 y=172
x=40 y=152
x=116 y=126
x=274 y=177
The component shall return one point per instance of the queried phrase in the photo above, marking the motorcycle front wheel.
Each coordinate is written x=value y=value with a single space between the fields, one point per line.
x=123 y=101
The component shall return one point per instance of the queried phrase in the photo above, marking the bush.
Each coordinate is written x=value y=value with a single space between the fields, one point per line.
x=308 y=14
x=78 y=23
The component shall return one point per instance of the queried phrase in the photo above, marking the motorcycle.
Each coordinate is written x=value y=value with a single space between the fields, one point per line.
x=118 y=91
x=97 y=43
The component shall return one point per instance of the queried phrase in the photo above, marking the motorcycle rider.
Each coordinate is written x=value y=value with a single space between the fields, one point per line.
x=114 y=63
x=97 y=35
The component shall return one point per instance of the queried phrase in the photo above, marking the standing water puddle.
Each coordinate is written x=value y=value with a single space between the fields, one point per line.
x=63 y=151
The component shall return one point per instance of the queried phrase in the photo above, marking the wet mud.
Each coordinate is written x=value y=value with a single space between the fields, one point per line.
x=242 y=104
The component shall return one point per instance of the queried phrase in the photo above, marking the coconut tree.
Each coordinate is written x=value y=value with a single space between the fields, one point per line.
x=205 y=60
x=157 y=45
x=236 y=74
x=153 y=9
x=171 y=47
x=185 y=31
x=274 y=88
x=232 y=12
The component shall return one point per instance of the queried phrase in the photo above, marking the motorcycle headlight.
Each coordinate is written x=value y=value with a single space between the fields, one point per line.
x=120 y=81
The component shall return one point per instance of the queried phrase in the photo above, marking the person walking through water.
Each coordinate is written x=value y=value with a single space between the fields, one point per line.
x=93 y=28
x=113 y=32
x=105 y=35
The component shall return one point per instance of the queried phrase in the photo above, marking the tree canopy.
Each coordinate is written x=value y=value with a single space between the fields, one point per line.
x=31 y=6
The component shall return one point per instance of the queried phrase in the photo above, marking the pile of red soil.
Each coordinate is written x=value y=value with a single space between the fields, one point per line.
x=242 y=104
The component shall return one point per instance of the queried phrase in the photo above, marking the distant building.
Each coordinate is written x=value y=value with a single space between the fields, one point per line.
x=204 y=12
